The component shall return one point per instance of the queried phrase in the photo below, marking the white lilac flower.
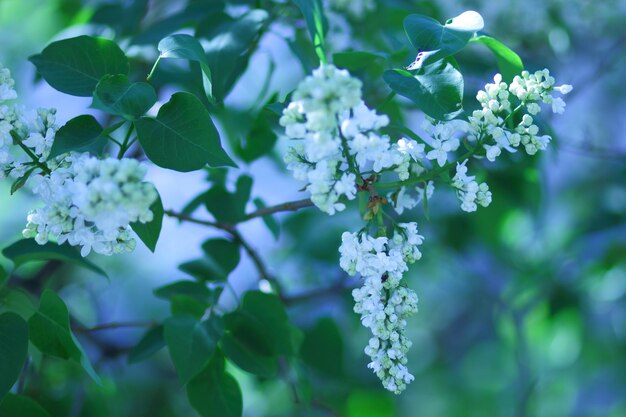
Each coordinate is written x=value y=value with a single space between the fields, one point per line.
x=384 y=305
x=469 y=192
x=6 y=85
x=492 y=152
x=35 y=131
x=489 y=123
x=444 y=138
x=329 y=118
x=403 y=200
x=313 y=116
x=362 y=119
x=90 y=203
x=412 y=148
x=440 y=150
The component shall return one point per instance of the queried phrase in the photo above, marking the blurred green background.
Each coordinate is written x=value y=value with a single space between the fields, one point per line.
x=522 y=304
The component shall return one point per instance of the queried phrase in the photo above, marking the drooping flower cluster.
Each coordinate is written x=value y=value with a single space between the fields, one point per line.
x=468 y=190
x=90 y=202
x=340 y=145
x=384 y=305
x=87 y=202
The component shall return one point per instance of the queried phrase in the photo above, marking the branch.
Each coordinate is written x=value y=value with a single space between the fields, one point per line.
x=288 y=206
x=232 y=230
x=182 y=217
x=254 y=256
x=336 y=288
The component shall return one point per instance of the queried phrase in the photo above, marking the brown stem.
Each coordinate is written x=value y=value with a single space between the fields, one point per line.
x=288 y=206
x=336 y=288
x=183 y=217
x=254 y=256
x=232 y=230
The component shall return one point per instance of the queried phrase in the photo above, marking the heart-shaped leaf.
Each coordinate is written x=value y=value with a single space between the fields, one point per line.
x=437 y=89
x=80 y=134
x=187 y=47
x=214 y=392
x=116 y=95
x=191 y=343
x=76 y=65
x=182 y=137
x=435 y=41
x=13 y=349
x=149 y=232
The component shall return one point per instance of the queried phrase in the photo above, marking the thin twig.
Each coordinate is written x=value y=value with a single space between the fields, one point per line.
x=288 y=206
x=183 y=217
x=336 y=288
x=254 y=256
x=232 y=230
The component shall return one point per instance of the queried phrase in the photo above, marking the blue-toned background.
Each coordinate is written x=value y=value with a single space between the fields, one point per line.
x=522 y=304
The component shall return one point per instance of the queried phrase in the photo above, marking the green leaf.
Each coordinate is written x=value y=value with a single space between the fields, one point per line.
x=262 y=320
x=246 y=356
x=509 y=62
x=19 y=301
x=435 y=41
x=124 y=19
x=229 y=207
x=27 y=250
x=21 y=181
x=214 y=392
x=191 y=343
x=228 y=48
x=437 y=89
x=149 y=232
x=80 y=134
x=187 y=47
x=74 y=66
x=116 y=95
x=222 y=257
x=49 y=330
x=260 y=140
x=322 y=347
x=269 y=220
x=313 y=11
x=194 y=204
x=182 y=137
x=356 y=60
x=13 y=349
x=201 y=269
x=192 y=289
x=20 y=406
x=148 y=345
x=4 y=277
